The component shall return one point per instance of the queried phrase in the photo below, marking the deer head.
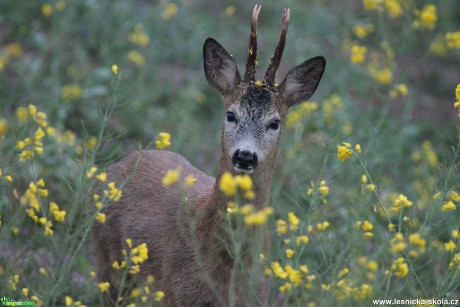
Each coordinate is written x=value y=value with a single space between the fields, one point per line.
x=255 y=109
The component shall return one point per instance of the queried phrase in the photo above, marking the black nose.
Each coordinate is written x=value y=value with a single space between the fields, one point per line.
x=245 y=159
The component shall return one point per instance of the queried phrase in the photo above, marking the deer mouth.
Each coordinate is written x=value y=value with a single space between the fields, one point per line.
x=247 y=170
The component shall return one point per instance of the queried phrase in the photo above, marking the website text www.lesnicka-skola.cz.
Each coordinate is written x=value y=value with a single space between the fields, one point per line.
x=417 y=302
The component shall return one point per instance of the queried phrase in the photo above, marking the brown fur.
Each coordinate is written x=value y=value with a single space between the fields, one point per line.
x=143 y=215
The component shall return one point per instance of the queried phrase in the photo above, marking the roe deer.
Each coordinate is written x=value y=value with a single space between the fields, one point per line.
x=149 y=212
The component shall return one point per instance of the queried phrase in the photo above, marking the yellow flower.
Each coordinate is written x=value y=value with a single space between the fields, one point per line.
x=362 y=31
x=59 y=216
x=115 y=69
x=102 y=177
x=91 y=142
x=343 y=272
x=453 y=41
x=245 y=182
x=47 y=10
x=171 y=177
x=358 y=148
x=358 y=54
x=400 y=203
x=372 y=5
x=163 y=140
x=367 y=226
x=450 y=246
x=416 y=239
x=3 y=127
x=302 y=239
x=117 y=266
x=371 y=187
x=101 y=217
x=71 y=92
x=189 y=181
x=103 y=286
x=324 y=190
x=448 y=206
x=344 y=152
x=285 y=288
x=256 y=218
x=169 y=11
x=400 y=268
x=427 y=17
x=68 y=300
x=228 y=184
x=383 y=76
x=281 y=227
x=393 y=7
x=138 y=36
x=293 y=221
x=91 y=172
x=454 y=196
x=135 y=57
x=25 y=291
x=289 y=253
x=159 y=296
x=113 y=193
x=455 y=234
x=391 y=227
x=230 y=10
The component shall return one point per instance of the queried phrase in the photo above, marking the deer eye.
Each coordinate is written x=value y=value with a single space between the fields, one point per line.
x=274 y=125
x=231 y=117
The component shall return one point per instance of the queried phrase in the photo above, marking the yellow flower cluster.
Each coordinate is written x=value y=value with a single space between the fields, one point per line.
x=344 y=152
x=293 y=277
x=8 y=178
x=457 y=96
x=71 y=92
x=454 y=264
x=393 y=8
x=137 y=58
x=70 y=302
x=426 y=18
x=400 y=203
x=363 y=30
x=399 y=90
x=415 y=240
x=32 y=198
x=365 y=226
x=171 y=177
x=332 y=107
x=371 y=187
x=115 y=69
x=103 y=286
x=163 y=140
x=303 y=110
x=137 y=256
x=229 y=185
x=13 y=50
x=3 y=128
x=113 y=193
x=169 y=11
x=138 y=36
x=358 y=54
x=29 y=146
x=453 y=39
x=254 y=218
x=400 y=268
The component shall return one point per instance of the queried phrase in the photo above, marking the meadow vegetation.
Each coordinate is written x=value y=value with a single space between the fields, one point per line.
x=365 y=201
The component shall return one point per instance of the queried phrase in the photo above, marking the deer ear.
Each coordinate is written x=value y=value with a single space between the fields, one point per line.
x=220 y=67
x=301 y=81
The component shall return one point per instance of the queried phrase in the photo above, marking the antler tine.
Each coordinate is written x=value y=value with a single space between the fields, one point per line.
x=269 y=78
x=250 y=74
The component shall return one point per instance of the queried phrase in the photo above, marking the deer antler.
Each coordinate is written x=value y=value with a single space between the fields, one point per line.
x=250 y=74
x=269 y=78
